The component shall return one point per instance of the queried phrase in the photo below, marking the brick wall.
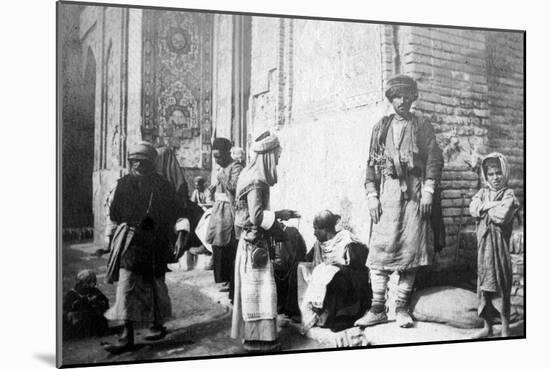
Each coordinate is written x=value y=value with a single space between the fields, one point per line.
x=505 y=77
x=471 y=90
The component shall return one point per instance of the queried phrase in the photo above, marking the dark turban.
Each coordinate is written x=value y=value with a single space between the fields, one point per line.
x=326 y=219
x=221 y=144
x=143 y=150
x=401 y=85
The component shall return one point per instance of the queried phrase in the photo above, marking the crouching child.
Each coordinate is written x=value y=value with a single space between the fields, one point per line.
x=83 y=308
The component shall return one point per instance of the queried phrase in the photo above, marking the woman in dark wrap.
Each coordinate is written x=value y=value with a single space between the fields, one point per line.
x=167 y=166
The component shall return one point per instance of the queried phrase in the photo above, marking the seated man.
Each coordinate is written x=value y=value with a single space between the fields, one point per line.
x=333 y=287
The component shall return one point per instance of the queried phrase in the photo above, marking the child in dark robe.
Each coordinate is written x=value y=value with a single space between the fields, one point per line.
x=83 y=308
x=494 y=207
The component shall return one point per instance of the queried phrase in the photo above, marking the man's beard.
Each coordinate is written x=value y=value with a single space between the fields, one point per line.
x=141 y=173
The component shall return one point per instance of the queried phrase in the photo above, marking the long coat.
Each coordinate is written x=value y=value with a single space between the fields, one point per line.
x=148 y=204
x=398 y=170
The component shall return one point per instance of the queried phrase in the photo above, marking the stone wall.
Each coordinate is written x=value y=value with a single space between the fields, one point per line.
x=109 y=34
x=517 y=250
x=77 y=124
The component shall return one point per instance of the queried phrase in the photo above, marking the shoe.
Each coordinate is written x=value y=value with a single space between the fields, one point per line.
x=156 y=333
x=371 y=318
x=403 y=318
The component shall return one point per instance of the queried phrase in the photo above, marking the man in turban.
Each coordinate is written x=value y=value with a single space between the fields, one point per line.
x=255 y=306
x=221 y=233
x=142 y=212
x=403 y=170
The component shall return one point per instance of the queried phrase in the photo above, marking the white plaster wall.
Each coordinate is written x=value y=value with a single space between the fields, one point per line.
x=134 y=76
x=331 y=90
x=221 y=102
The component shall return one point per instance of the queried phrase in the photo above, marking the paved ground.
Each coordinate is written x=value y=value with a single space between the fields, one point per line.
x=202 y=321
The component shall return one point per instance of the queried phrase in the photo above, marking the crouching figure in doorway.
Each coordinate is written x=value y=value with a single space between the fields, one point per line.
x=333 y=286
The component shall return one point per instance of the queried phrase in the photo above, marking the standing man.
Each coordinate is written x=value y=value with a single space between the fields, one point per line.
x=221 y=233
x=142 y=214
x=403 y=170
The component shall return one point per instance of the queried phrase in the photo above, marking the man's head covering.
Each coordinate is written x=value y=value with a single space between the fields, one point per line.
x=401 y=85
x=326 y=219
x=143 y=150
x=263 y=166
x=85 y=279
x=221 y=144
x=266 y=142
x=496 y=157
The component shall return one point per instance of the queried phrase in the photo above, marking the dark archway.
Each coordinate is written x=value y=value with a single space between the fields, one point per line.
x=78 y=153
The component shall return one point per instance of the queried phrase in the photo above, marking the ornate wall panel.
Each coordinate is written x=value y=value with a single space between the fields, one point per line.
x=177 y=83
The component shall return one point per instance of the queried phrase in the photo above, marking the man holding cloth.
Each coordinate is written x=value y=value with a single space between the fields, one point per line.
x=142 y=225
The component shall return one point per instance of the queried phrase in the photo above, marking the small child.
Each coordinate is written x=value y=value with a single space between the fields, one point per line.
x=494 y=207
x=200 y=194
x=83 y=308
x=237 y=154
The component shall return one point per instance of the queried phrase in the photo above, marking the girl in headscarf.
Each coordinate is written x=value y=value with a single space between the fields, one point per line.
x=494 y=207
x=255 y=301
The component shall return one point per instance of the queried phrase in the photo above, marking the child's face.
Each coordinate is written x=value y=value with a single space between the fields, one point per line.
x=494 y=176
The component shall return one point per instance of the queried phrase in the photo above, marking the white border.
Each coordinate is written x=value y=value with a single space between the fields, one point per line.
x=28 y=185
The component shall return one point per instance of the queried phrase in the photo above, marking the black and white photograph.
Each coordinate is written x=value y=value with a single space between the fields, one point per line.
x=235 y=184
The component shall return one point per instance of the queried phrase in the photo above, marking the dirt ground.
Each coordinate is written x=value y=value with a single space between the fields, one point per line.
x=201 y=318
x=201 y=321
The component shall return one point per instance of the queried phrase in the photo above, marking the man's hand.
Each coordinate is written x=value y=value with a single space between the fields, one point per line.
x=106 y=249
x=375 y=208
x=426 y=204
x=100 y=252
x=286 y=214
